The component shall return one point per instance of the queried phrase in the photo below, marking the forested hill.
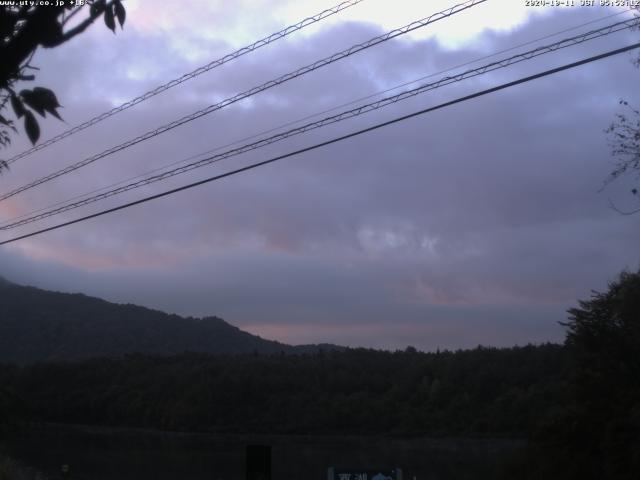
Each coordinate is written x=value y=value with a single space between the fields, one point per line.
x=39 y=325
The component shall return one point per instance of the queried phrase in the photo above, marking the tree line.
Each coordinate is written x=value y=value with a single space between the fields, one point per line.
x=473 y=392
x=578 y=403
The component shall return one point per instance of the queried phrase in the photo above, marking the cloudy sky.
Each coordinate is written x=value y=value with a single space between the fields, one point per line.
x=476 y=224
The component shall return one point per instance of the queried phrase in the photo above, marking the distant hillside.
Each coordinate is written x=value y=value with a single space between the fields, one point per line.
x=39 y=325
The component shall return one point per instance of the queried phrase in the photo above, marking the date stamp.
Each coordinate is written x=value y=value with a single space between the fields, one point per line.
x=583 y=3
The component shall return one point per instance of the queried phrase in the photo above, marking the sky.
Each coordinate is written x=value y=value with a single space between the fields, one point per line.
x=480 y=223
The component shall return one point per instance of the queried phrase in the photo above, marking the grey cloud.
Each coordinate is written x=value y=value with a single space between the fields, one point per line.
x=476 y=224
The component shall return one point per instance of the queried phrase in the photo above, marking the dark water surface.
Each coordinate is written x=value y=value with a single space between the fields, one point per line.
x=122 y=454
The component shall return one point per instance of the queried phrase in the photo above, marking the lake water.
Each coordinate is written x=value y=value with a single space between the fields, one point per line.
x=124 y=454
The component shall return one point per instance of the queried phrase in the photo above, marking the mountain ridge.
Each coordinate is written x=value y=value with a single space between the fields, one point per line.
x=39 y=325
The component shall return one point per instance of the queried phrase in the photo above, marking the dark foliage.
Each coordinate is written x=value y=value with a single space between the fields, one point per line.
x=596 y=435
x=26 y=26
x=624 y=139
x=475 y=392
x=482 y=391
x=578 y=403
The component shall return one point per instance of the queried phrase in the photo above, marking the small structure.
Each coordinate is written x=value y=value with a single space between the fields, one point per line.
x=363 y=474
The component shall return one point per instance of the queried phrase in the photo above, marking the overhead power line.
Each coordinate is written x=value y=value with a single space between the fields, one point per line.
x=499 y=64
x=330 y=142
x=188 y=76
x=299 y=120
x=265 y=86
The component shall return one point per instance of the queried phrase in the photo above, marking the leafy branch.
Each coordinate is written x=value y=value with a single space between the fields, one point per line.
x=24 y=28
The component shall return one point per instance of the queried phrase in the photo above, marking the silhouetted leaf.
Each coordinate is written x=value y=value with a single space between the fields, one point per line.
x=109 y=21
x=55 y=114
x=41 y=100
x=31 y=126
x=48 y=100
x=121 y=14
x=48 y=97
x=32 y=100
x=17 y=106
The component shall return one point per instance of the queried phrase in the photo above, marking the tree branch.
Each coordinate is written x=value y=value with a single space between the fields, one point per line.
x=81 y=27
x=622 y=212
x=71 y=15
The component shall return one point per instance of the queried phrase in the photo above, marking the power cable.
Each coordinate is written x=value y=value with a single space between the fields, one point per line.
x=188 y=76
x=329 y=142
x=313 y=115
x=272 y=83
x=601 y=32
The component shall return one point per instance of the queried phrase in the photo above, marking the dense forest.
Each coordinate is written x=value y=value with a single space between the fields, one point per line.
x=481 y=391
x=577 y=403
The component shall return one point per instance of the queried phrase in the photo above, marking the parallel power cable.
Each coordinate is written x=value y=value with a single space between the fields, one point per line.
x=265 y=86
x=565 y=43
x=307 y=117
x=310 y=116
x=188 y=76
x=330 y=142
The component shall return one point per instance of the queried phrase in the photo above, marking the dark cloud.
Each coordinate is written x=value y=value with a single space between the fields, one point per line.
x=480 y=223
